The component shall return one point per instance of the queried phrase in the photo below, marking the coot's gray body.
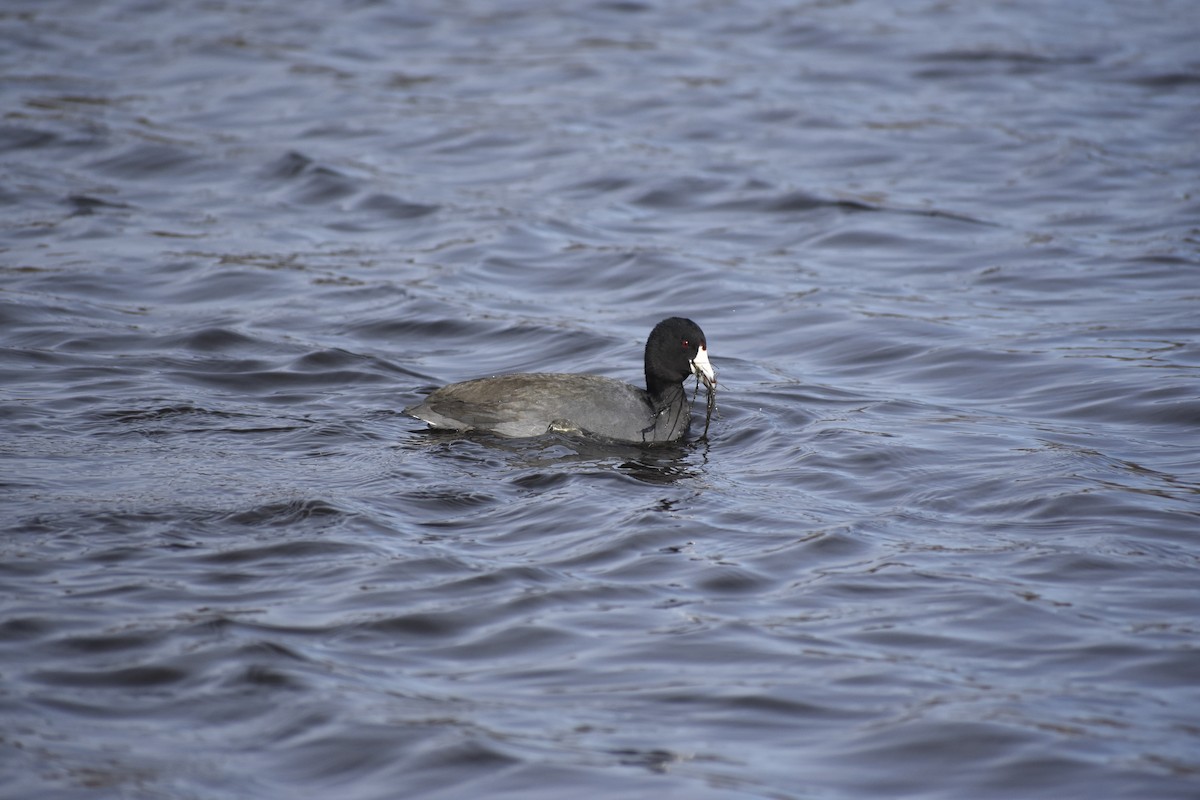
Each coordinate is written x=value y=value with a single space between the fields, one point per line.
x=531 y=404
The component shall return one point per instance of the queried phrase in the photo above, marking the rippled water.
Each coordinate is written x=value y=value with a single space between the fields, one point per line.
x=942 y=541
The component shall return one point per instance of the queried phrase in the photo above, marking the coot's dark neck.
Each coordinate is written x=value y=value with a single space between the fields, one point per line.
x=664 y=393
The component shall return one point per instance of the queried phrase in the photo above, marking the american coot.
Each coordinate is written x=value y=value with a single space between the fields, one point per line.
x=530 y=404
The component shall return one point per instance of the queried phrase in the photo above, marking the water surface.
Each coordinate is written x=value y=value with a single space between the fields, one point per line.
x=941 y=541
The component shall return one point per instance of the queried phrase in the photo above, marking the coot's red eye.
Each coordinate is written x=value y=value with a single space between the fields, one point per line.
x=684 y=342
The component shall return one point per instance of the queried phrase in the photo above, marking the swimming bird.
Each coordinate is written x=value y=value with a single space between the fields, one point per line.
x=531 y=404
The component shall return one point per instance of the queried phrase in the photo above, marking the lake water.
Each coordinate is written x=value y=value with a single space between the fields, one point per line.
x=942 y=541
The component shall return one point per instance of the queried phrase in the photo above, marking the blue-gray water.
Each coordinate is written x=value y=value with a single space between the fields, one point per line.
x=943 y=540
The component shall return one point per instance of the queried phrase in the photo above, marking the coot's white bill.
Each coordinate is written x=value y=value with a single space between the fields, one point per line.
x=703 y=369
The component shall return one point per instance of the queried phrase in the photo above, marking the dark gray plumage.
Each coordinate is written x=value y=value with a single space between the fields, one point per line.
x=530 y=404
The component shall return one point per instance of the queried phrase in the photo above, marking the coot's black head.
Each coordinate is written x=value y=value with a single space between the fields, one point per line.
x=676 y=349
